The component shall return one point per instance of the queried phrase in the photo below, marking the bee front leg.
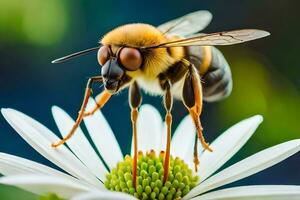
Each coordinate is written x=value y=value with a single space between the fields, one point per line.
x=80 y=116
x=192 y=99
x=100 y=102
x=168 y=104
x=135 y=100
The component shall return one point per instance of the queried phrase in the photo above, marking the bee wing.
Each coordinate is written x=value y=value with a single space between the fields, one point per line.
x=217 y=39
x=187 y=24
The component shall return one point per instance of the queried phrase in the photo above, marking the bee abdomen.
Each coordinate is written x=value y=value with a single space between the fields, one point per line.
x=214 y=72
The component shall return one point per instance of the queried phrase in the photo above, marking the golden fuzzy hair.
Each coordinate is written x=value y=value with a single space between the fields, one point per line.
x=141 y=35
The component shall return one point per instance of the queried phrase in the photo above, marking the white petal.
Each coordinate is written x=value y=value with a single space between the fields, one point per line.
x=40 y=138
x=104 y=196
x=103 y=137
x=183 y=139
x=259 y=192
x=225 y=146
x=162 y=139
x=14 y=165
x=248 y=166
x=149 y=129
x=42 y=185
x=79 y=144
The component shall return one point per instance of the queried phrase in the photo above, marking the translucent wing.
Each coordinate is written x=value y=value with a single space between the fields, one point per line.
x=217 y=39
x=187 y=24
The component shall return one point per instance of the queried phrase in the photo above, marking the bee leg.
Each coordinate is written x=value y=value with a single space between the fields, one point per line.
x=196 y=158
x=135 y=100
x=195 y=116
x=192 y=99
x=80 y=116
x=103 y=98
x=168 y=103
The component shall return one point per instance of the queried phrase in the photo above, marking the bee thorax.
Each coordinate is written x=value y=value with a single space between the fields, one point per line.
x=153 y=87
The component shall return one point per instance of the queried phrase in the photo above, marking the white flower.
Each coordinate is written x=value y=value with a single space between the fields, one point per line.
x=85 y=172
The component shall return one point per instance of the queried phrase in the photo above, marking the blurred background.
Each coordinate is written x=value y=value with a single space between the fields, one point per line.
x=265 y=72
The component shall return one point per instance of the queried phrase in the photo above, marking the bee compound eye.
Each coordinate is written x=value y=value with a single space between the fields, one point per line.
x=130 y=58
x=103 y=55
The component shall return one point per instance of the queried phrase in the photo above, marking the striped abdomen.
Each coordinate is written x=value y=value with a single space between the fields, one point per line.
x=214 y=71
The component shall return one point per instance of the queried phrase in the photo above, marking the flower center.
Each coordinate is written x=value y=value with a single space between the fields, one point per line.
x=150 y=183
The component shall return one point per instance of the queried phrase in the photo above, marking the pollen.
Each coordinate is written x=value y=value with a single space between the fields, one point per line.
x=150 y=183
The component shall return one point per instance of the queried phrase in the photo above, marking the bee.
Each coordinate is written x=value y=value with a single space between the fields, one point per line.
x=172 y=60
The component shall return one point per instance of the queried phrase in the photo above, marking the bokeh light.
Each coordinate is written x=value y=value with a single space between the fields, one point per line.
x=33 y=21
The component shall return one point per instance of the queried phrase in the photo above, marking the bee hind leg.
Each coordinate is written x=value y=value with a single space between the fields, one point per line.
x=192 y=99
x=135 y=100
x=195 y=117
x=87 y=94
x=196 y=158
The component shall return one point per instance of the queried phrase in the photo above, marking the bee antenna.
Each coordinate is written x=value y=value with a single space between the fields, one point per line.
x=74 y=55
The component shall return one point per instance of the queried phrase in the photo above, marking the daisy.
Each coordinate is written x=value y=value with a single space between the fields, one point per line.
x=87 y=177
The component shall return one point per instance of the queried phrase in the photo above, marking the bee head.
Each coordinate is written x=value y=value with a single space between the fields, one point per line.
x=127 y=43
x=115 y=64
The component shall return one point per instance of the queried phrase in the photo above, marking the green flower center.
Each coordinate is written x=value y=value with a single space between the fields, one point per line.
x=150 y=183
